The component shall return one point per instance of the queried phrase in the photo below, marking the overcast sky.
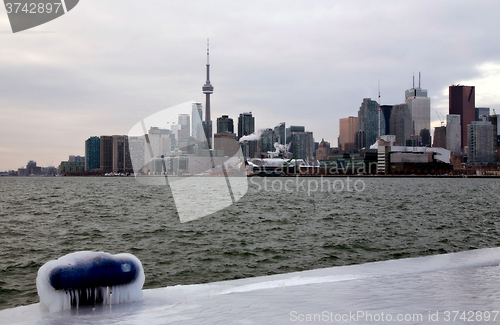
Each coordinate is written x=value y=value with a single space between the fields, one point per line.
x=107 y=64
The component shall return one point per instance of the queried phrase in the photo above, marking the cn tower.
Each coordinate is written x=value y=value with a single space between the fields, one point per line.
x=207 y=90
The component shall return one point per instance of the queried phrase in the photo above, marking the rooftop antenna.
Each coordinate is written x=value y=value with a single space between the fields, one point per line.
x=413 y=80
x=419 y=80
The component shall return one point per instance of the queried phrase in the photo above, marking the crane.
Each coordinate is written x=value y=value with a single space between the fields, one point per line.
x=440 y=117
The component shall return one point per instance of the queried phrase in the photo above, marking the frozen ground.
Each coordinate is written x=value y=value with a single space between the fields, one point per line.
x=460 y=288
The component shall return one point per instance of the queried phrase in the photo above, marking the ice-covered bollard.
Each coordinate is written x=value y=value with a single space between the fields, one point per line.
x=90 y=278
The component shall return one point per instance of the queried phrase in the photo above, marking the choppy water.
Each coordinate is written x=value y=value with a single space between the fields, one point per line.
x=266 y=232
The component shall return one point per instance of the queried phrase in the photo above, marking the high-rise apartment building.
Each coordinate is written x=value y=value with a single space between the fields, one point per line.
x=420 y=109
x=121 y=155
x=347 y=129
x=225 y=124
x=453 y=133
x=480 y=149
x=368 y=121
x=106 y=153
x=462 y=102
x=92 y=153
x=246 y=124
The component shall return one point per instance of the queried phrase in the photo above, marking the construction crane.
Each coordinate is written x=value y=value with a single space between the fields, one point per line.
x=440 y=117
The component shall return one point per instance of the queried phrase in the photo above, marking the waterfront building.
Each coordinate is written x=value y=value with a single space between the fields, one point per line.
x=106 y=153
x=481 y=148
x=347 y=130
x=92 y=153
x=462 y=102
x=121 y=155
x=411 y=160
x=225 y=124
x=71 y=167
x=246 y=124
x=33 y=169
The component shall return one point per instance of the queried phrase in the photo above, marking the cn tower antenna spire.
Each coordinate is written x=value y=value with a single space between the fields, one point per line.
x=208 y=89
x=208 y=62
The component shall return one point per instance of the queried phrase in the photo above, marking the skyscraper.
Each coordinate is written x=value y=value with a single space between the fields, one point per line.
x=225 y=124
x=420 y=109
x=401 y=123
x=453 y=133
x=368 y=121
x=280 y=133
x=185 y=127
x=291 y=129
x=439 y=137
x=462 y=102
x=347 y=130
x=208 y=89
x=480 y=149
x=303 y=145
x=92 y=153
x=196 y=121
x=246 y=124
x=386 y=110
x=267 y=140
x=481 y=112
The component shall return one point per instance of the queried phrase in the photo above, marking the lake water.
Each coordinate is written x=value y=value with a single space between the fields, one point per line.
x=273 y=229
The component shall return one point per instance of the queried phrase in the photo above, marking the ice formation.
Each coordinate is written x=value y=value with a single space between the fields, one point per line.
x=90 y=278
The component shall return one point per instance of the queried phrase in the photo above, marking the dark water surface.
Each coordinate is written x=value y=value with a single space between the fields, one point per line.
x=266 y=232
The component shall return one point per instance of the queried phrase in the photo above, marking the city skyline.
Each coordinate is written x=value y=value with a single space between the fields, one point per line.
x=295 y=63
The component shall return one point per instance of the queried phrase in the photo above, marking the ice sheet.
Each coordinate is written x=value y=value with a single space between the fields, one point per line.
x=419 y=287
